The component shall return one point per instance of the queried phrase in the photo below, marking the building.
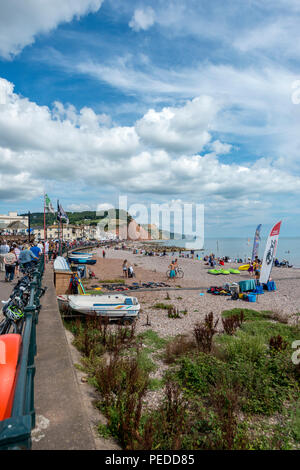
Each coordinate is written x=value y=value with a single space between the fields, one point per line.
x=70 y=232
x=13 y=223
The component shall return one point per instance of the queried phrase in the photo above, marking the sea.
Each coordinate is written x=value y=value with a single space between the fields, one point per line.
x=288 y=248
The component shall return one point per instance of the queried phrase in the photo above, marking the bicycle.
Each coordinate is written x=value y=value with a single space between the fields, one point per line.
x=179 y=273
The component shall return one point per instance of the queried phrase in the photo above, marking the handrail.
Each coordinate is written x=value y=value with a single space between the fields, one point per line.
x=15 y=432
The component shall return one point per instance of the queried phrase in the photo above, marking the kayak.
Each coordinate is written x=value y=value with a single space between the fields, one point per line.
x=245 y=267
x=9 y=354
x=218 y=271
x=234 y=271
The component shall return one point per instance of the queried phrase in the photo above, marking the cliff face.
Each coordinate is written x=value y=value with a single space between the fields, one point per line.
x=133 y=232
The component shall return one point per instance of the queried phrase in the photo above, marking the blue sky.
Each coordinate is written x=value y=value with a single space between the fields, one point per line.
x=162 y=100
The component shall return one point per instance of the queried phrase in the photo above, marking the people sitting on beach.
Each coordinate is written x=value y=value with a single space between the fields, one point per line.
x=130 y=271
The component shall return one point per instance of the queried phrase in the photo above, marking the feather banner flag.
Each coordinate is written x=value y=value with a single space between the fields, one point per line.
x=256 y=242
x=48 y=205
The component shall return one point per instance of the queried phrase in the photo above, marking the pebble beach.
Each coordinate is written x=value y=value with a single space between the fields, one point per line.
x=185 y=293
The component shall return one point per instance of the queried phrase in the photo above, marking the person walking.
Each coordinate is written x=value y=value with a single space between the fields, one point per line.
x=17 y=252
x=26 y=257
x=4 y=249
x=10 y=261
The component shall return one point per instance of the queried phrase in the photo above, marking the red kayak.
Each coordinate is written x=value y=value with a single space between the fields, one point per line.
x=9 y=354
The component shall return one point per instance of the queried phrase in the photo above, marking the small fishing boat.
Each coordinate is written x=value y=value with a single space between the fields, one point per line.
x=83 y=261
x=80 y=255
x=114 y=307
x=60 y=264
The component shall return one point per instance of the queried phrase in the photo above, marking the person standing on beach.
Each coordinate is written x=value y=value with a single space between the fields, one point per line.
x=125 y=272
x=172 y=268
x=103 y=253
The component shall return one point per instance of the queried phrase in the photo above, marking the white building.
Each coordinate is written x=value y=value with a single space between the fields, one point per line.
x=13 y=217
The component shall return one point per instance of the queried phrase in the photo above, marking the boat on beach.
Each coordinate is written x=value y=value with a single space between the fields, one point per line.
x=80 y=255
x=113 y=307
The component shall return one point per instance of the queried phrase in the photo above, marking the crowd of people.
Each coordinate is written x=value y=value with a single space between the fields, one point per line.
x=14 y=256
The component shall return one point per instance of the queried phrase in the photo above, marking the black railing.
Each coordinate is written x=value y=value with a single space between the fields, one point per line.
x=15 y=432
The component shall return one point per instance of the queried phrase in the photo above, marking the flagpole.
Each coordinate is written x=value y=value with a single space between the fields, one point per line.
x=58 y=224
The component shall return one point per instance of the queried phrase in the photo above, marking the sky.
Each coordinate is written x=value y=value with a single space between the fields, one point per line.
x=194 y=101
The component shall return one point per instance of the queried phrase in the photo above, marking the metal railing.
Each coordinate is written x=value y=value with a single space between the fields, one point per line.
x=15 y=432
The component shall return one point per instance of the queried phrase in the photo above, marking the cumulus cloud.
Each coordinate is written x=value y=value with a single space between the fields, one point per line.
x=21 y=21
x=163 y=154
x=142 y=19
x=179 y=129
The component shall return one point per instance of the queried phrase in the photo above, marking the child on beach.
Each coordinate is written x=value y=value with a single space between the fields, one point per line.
x=172 y=268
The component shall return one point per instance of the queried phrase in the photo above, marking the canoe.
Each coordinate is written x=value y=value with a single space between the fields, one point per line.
x=114 y=307
x=10 y=346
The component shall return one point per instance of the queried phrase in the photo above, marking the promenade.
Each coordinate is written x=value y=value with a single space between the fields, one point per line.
x=62 y=421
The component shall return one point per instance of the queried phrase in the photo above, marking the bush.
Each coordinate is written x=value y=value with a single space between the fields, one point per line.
x=179 y=346
x=199 y=373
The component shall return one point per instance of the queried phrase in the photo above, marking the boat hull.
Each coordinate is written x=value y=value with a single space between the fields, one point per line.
x=91 y=306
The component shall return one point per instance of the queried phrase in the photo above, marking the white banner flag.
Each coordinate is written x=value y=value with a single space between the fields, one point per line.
x=269 y=254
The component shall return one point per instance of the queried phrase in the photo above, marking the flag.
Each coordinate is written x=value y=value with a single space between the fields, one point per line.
x=270 y=252
x=256 y=242
x=48 y=205
x=61 y=215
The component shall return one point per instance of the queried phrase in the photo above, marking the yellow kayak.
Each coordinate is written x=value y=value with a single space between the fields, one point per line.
x=245 y=267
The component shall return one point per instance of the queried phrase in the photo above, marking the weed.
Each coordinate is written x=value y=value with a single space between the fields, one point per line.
x=232 y=323
x=179 y=346
x=173 y=312
x=204 y=333
x=276 y=343
x=162 y=306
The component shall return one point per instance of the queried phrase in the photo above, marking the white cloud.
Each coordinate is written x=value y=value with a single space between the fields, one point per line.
x=40 y=146
x=79 y=207
x=142 y=19
x=183 y=129
x=21 y=21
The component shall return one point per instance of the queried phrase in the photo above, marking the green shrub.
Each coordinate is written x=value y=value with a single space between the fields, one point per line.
x=199 y=373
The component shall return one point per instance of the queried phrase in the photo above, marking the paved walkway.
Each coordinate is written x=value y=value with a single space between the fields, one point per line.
x=62 y=421
x=61 y=416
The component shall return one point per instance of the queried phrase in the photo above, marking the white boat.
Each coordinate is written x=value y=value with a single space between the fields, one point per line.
x=81 y=255
x=115 y=307
x=61 y=264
